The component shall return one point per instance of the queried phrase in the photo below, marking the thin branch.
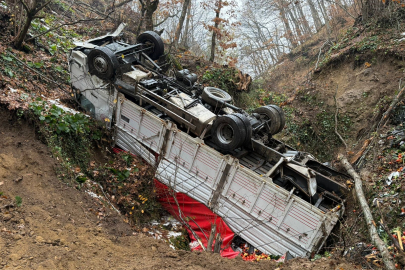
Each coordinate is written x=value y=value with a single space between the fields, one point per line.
x=24 y=5
x=319 y=55
x=342 y=7
x=165 y=19
x=383 y=120
x=93 y=10
x=385 y=254
x=38 y=9
x=64 y=24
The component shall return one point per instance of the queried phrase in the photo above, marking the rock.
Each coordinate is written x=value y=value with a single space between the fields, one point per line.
x=17 y=236
x=154 y=248
x=39 y=239
x=31 y=233
x=14 y=257
x=7 y=217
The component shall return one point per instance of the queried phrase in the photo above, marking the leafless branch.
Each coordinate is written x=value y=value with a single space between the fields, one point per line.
x=342 y=7
x=24 y=5
x=165 y=19
x=71 y=23
x=387 y=259
x=38 y=9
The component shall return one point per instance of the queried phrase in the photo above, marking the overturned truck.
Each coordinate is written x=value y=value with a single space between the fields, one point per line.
x=276 y=198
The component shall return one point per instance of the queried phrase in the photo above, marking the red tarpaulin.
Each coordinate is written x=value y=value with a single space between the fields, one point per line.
x=197 y=212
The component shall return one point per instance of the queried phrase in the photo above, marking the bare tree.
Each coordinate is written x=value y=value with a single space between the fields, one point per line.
x=184 y=41
x=32 y=8
x=148 y=7
x=315 y=15
x=181 y=21
x=215 y=29
x=302 y=18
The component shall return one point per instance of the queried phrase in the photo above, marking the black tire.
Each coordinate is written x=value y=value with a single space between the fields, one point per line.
x=248 y=128
x=270 y=113
x=212 y=95
x=282 y=116
x=103 y=63
x=228 y=132
x=152 y=38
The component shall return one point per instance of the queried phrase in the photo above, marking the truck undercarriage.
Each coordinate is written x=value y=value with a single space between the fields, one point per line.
x=275 y=197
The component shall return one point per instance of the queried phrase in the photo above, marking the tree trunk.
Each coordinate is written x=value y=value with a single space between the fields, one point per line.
x=324 y=12
x=143 y=10
x=181 y=21
x=296 y=25
x=289 y=34
x=315 y=15
x=214 y=33
x=184 y=41
x=21 y=36
x=303 y=19
x=387 y=259
x=148 y=7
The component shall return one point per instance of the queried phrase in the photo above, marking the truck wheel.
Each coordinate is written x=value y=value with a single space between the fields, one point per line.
x=248 y=128
x=270 y=113
x=282 y=116
x=212 y=95
x=103 y=63
x=228 y=132
x=152 y=38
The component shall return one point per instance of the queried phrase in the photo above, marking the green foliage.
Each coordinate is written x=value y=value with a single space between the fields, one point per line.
x=6 y=67
x=128 y=158
x=312 y=135
x=35 y=64
x=18 y=201
x=69 y=135
x=53 y=48
x=180 y=242
x=173 y=61
x=368 y=43
x=7 y=57
x=120 y=175
x=223 y=78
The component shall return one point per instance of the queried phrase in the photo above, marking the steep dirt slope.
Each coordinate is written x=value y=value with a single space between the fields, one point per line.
x=59 y=227
x=362 y=74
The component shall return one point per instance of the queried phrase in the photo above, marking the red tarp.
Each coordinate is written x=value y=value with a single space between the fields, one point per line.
x=200 y=214
x=196 y=212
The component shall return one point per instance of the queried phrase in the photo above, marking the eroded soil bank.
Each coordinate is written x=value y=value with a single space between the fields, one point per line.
x=60 y=227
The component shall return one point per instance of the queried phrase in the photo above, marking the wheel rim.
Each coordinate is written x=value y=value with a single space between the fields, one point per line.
x=100 y=64
x=225 y=133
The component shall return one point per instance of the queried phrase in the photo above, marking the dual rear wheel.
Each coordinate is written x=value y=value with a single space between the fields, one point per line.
x=232 y=131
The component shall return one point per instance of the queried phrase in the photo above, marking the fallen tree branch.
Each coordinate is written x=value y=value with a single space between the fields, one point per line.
x=383 y=120
x=386 y=257
x=319 y=55
x=392 y=106
x=400 y=257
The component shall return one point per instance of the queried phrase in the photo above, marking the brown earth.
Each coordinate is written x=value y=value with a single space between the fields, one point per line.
x=60 y=227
